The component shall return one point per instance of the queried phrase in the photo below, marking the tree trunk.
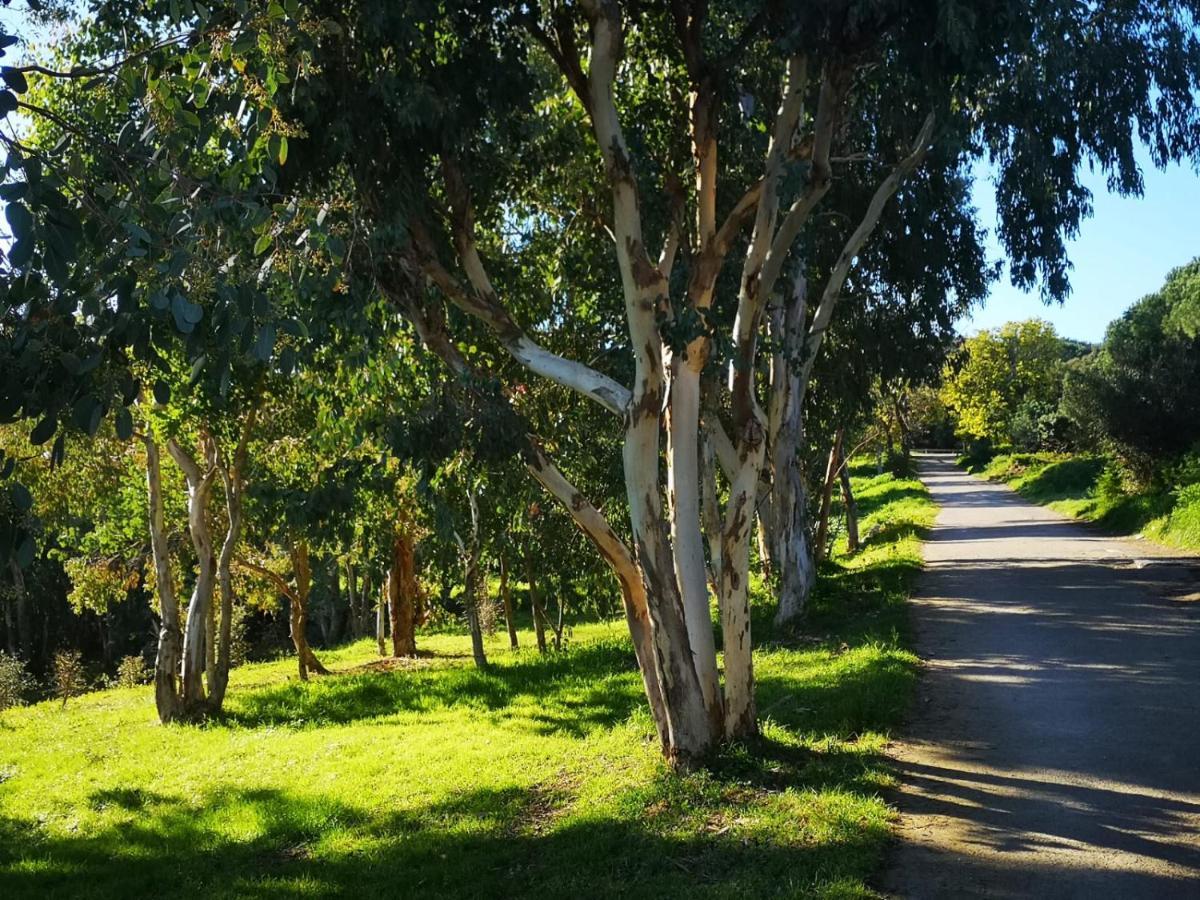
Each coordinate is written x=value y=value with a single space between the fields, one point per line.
x=506 y=596
x=687 y=539
x=536 y=605
x=710 y=511
x=402 y=594
x=470 y=556
x=306 y=660
x=851 y=507
x=22 y=641
x=166 y=664
x=364 y=604
x=789 y=536
x=356 y=618
x=831 y=470
x=10 y=630
x=199 y=487
x=381 y=618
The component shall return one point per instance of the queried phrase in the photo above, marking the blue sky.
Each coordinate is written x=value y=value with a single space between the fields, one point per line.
x=1121 y=254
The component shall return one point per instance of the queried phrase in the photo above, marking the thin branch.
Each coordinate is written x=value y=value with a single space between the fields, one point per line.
x=93 y=71
x=274 y=577
x=854 y=244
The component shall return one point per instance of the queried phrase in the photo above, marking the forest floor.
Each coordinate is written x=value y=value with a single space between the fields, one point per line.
x=1052 y=752
x=539 y=776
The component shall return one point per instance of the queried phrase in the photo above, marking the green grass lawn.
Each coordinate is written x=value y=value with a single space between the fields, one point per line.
x=539 y=777
x=1072 y=485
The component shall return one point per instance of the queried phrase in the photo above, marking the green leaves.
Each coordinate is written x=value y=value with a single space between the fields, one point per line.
x=15 y=79
x=43 y=431
x=123 y=423
x=20 y=220
x=186 y=314
x=21 y=498
x=264 y=345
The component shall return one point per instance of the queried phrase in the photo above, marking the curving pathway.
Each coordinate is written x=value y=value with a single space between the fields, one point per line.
x=1054 y=749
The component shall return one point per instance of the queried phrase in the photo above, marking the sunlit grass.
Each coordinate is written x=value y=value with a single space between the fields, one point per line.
x=538 y=777
x=1071 y=484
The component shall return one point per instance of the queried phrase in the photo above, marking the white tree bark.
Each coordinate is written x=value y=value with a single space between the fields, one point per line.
x=233 y=473
x=691 y=729
x=166 y=663
x=200 y=484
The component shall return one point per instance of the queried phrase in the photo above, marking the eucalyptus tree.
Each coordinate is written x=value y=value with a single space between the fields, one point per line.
x=433 y=115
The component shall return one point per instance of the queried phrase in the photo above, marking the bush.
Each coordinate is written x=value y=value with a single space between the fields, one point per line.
x=15 y=682
x=1184 y=520
x=132 y=672
x=1110 y=486
x=67 y=678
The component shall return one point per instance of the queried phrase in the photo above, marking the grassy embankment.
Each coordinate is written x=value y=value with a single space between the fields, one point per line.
x=537 y=777
x=1078 y=486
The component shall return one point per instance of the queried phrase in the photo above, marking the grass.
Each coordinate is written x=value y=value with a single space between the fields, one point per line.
x=539 y=776
x=1075 y=485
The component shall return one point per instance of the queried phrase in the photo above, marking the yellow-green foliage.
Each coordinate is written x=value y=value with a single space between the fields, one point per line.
x=996 y=371
x=540 y=776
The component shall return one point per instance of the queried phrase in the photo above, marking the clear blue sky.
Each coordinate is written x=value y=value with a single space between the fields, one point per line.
x=1121 y=254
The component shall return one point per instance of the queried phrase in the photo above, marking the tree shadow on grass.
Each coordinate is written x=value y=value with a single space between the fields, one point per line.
x=577 y=691
x=513 y=841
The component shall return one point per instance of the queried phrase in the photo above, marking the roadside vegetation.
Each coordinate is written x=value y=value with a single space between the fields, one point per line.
x=1107 y=433
x=1090 y=488
x=428 y=776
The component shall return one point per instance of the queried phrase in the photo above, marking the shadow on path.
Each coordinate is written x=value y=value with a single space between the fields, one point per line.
x=1053 y=750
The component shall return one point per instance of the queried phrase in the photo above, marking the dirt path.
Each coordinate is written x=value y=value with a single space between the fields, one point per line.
x=1055 y=746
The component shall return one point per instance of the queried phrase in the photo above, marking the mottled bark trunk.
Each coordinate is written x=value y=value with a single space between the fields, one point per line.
x=506 y=596
x=166 y=664
x=740 y=712
x=687 y=539
x=200 y=484
x=710 y=511
x=789 y=534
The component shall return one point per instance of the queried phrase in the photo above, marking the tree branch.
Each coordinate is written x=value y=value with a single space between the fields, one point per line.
x=274 y=577
x=837 y=277
x=482 y=303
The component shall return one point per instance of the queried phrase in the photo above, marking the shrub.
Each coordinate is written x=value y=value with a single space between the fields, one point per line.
x=15 y=682
x=67 y=678
x=133 y=671
x=1110 y=486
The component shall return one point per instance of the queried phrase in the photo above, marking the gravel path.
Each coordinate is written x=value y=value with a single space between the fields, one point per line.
x=1054 y=749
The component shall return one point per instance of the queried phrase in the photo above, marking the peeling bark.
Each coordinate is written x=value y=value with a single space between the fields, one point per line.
x=170 y=640
x=199 y=482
